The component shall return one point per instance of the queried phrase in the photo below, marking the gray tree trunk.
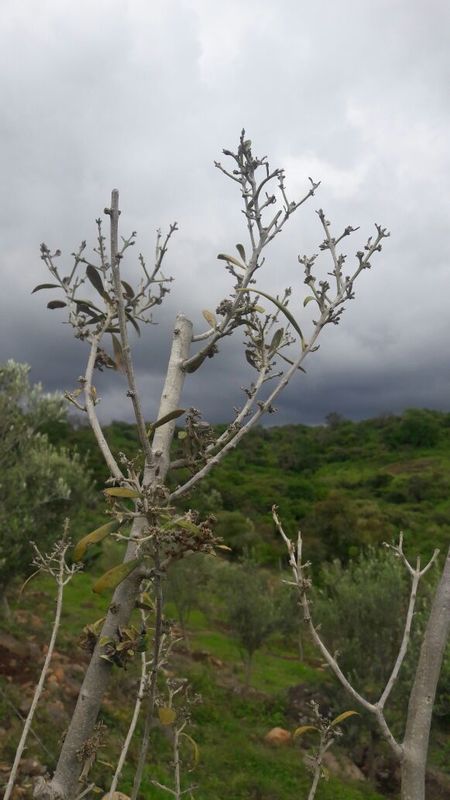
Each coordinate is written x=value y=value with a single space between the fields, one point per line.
x=417 y=733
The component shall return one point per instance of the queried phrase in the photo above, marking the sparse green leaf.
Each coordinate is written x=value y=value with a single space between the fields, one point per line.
x=114 y=576
x=182 y=435
x=56 y=304
x=289 y=361
x=345 y=715
x=187 y=525
x=241 y=251
x=122 y=491
x=128 y=290
x=92 y=538
x=82 y=301
x=94 y=277
x=308 y=300
x=133 y=322
x=304 y=729
x=182 y=522
x=276 y=340
x=45 y=286
x=178 y=412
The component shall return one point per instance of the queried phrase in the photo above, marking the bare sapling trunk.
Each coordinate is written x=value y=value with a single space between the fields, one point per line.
x=54 y=564
x=275 y=348
x=423 y=692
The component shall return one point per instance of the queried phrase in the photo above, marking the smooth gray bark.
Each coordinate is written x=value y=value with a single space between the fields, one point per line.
x=421 y=700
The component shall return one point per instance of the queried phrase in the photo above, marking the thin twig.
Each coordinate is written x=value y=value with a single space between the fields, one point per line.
x=302 y=585
x=132 y=726
x=92 y=416
x=416 y=574
x=128 y=363
x=61 y=582
x=150 y=706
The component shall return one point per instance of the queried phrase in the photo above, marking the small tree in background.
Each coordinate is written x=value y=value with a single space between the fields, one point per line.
x=360 y=609
x=249 y=609
x=187 y=583
x=39 y=484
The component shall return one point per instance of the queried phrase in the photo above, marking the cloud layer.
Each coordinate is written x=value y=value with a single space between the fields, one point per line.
x=144 y=96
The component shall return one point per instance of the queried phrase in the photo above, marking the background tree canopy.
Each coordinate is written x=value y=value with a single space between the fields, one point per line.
x=40 y=483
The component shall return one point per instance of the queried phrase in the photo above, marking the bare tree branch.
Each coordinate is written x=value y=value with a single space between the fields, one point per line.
x=128 y=363
x=55 y=564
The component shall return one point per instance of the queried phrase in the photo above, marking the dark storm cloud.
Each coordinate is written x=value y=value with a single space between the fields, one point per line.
x=143 y=96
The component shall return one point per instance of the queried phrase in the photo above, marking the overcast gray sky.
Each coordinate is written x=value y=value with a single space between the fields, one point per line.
x=142 y=95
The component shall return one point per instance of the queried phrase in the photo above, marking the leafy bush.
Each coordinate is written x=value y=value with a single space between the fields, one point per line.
x=39 y=484
x=361 y=609
x=416 y=428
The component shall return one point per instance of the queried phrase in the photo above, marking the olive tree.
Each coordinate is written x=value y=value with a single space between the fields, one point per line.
x=104 y=307
x=249 y=609
x=39 y=483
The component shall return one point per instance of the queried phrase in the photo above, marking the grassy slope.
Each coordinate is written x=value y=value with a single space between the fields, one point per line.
x=346 y=485
x=229 y=725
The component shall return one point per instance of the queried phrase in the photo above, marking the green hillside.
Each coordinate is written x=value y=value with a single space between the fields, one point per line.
x=348 y=485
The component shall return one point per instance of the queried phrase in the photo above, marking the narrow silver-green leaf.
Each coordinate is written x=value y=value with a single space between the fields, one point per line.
x=308 y=300
x=45 y=286
x=128 y=290
x=289 y=361
x=342 y=717
x=133 y=322
x=276 y=340
x=178 y=412
x=92 y=538
x=241 y=251
x=95 y=279
x=56 y=304
x=181 y=522
x=122 y=491
x=304 y=729
x=116 y=575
